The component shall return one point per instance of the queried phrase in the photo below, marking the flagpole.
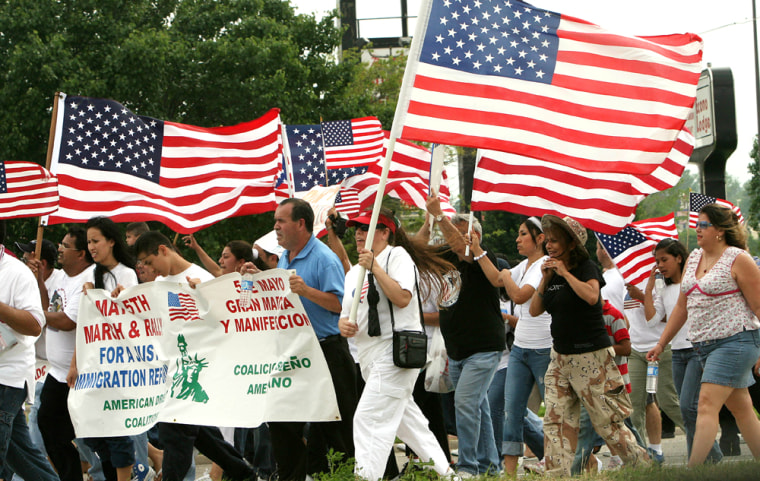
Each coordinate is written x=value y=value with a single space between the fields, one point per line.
x=48 y=160
x=288 y=161
x=324 y=153
x=401 y=108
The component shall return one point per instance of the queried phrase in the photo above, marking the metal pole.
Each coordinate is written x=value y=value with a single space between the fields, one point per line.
x=757 y=58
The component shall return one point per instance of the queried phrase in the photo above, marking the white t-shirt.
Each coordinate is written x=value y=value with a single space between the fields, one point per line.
x=531 y=332
x=193 y=272
x=121 y=274
x=668 y=298
x=19 y=290
x=401 y=269
x=60 y=344
x=506 y=308
x=614 y=288
x=644 y=335
x=54 y=280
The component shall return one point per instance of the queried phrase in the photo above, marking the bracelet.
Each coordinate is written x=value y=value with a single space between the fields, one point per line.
x=482 y=255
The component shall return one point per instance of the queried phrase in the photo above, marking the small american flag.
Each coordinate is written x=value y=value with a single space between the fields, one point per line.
x=352 y=143
x=182 y=307
x=697 y=201
x=631 y=252
x=26 y=190
x=347 y=201
x=658 y=228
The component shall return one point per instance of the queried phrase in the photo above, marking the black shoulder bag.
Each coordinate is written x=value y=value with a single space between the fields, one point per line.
x=409 y=347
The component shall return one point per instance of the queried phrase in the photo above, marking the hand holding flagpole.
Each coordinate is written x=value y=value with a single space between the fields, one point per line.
x=401 y=108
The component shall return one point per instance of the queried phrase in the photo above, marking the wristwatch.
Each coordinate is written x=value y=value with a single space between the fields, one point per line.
x=439 y=218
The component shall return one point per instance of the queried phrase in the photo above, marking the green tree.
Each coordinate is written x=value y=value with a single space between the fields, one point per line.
x=752 y=190
x=192 y=61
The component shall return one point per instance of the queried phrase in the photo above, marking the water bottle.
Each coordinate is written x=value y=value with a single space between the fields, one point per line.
x=246 y=287
x=659 y=282
x=652 y=372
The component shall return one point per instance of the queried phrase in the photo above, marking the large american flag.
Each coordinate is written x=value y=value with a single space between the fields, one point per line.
x=112 y=162
x=26 y=190
x=603 y=202
x=352 y=143
x=504 y=75
x=697 y=201
x=182 y=307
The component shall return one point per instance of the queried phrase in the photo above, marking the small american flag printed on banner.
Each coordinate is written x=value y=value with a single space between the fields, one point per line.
x=697 y=201
x=182 y=307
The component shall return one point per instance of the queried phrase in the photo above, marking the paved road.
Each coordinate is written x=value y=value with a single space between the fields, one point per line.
x=674 y=450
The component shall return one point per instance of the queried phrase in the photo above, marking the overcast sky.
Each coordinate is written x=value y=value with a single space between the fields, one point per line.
x=725 y=27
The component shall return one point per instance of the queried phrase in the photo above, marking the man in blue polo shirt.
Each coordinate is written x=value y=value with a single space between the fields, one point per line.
x=319 y=281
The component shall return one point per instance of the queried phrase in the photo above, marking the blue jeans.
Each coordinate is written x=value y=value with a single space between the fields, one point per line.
x=526 y=367
x=16 y=448
x=588 y=439
x=533 y=426
x=687 y=377
x=477 y=446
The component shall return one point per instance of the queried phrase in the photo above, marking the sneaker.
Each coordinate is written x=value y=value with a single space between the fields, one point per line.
x=615 y=463
x=655 y=456
x=537 y=468
x=141 y=472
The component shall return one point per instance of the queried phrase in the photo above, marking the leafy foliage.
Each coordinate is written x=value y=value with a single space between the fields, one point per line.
x=752 y=188
x=192 y=61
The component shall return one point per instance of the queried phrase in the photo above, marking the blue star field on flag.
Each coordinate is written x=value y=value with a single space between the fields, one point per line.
x=103 y=135
x=504 y=38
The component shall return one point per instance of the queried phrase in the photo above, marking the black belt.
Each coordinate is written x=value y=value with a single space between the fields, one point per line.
x=333 y=338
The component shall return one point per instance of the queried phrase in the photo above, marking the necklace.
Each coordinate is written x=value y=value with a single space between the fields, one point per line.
x=710 y=263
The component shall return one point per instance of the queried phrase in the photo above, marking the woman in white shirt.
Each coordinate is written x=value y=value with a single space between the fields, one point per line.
x=530 y=354
x=386 y=408
x=114 y=267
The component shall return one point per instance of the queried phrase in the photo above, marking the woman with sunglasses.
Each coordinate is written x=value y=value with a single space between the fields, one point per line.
x=720 y=296
x=386 y=408
x=670 y=259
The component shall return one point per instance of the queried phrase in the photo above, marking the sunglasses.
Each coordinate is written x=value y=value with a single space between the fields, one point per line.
x=365 y=227
x=703 y=224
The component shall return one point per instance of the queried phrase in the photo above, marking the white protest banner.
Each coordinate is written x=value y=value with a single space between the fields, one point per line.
x=164 y=352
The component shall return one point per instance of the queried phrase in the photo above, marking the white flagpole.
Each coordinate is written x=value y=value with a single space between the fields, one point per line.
x=401 y=108
x=436 y=167
x=288 y=161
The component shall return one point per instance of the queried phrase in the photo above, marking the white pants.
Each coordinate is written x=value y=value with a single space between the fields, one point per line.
x=386 y=410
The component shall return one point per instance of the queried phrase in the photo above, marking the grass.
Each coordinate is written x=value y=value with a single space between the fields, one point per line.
x=725 y=471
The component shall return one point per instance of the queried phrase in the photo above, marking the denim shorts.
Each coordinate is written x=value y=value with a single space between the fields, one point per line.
x=729 y=361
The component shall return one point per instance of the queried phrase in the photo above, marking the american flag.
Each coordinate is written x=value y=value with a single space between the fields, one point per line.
x=658 y=228
x=631 y=252
x=697 y=201
x=110 y=161
x=504 y=75
x=408 y=178
x=347 y=201
x=26 y=190
x=604 y=202
x=307 y=158
x=182 y=307
x=352 y=143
